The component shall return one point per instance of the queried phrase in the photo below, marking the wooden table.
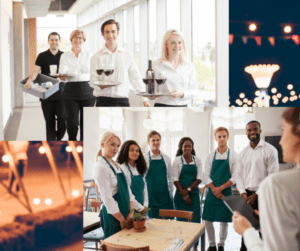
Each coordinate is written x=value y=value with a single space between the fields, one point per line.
x=91 y=221
x=159 y=235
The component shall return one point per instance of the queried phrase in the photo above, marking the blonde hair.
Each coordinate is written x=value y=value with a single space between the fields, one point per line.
x=75 y=33
x=164 y=51
x=105 y=138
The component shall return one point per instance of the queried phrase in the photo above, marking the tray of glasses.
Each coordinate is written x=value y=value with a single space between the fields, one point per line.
x=105 y=83
x=156 y=94
x=71 y=77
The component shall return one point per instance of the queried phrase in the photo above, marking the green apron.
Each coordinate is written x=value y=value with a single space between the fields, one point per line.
x=215 y=209
x=110 y=224
x=137 y=186
x=188 y=176
x=158 y=190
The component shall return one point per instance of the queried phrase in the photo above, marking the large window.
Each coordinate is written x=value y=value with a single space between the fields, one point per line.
x=125 y=28
x=173 y=14
x=204 y=50
x=137 y=35
x=63 y=25
x=153 y=54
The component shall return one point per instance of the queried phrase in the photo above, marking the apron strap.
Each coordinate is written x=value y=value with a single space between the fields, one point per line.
x=129 y=169
x=111 y=166
x=228 y=155
x=160 y=155
x=192 y=157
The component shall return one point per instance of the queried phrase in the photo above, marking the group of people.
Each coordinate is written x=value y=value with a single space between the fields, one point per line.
x=142 y=182
x=67 y=104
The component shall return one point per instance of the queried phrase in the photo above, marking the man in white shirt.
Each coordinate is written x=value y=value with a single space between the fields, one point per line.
x=125 y=70
x=256 y=161
x=219 y=173
x=159 y=177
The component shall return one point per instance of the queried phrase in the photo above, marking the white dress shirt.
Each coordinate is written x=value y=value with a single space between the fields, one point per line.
x=183 y=78
x=168 y=164
x=82 y=63
x=136 y=204
x=278 y=215
x=255 y=165
x=177 y=167
x=125 y=72
x=107 y=183
x=233 y=164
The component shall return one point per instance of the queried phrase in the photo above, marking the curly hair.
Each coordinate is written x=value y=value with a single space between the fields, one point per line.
x=123 y=156
x=180 y=145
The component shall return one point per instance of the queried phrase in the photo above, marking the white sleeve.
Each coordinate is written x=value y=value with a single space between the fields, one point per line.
x=234 y=166
x=175 y=169
x=252 y=241
x=192 y=90
x=207 y=170
x=199 y=168
x=135 y=77
x=146 y=202
x=278 y=221
x=62 y=59
x=273 y=162
x=169 y=174
x=239 y=176
x=102 y=177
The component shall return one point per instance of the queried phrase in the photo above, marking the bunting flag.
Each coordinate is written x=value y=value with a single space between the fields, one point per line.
x=245 y=39
x=258 y=40
x=231 y=37
x=296 y=39
x=272 y=40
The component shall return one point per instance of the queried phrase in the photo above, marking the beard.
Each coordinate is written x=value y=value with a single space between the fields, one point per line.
x=254 y=139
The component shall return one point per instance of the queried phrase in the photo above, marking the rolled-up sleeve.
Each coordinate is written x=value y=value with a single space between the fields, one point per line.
x=169 y=173
x=199 y=168
x=239 y=175
x=207 y=170
x=146 y=201
x=175 y=169
x=102 y=177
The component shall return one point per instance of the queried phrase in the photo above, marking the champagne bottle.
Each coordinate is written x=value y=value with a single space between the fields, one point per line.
x=150 y=75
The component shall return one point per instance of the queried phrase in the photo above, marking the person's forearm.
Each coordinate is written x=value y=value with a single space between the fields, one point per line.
x=211 y=185
x=195 y=184
x=33 y=75
x=178 y=186
x=227 y=184
x=119 y=216
x=131 y=206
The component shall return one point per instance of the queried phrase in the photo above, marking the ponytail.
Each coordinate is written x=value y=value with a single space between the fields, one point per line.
x=99 y=154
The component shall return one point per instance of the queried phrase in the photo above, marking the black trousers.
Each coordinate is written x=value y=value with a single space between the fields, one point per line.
x=163 y=105
x=254 y=206
x=21 y=170
x=114 y=102
x=74 y=109
x=52 y=109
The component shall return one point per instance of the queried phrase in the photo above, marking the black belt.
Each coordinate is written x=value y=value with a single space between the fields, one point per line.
x=112 y=102
x=164 y=105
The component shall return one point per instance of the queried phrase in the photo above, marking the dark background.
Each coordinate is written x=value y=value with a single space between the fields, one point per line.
x=270 y=18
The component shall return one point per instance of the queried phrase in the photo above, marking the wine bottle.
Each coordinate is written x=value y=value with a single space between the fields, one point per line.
x=150 y=75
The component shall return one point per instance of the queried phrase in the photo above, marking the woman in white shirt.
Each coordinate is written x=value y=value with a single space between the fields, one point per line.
x=278 y=198
x=180 y=73
x=77 y=93
x=187 y=175
x=134 y=166
x=111 y=181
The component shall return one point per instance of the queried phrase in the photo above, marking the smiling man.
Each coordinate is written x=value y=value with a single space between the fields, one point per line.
x=125 y=70
x=257 y=160
x=219 y=173
x=159 y=177
x=53 y=106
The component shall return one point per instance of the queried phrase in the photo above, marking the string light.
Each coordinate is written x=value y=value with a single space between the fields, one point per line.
x=5 y=158
x=257 y=93
x=273 y=90
x=290 y=87
x=69 y=149
x=48 y=202
x=285 y=99
x=36 y=201
x=287 y=29
x=252 y=27
x=79 y=149
x=242 y=95
x=292 y=93
x=279 y=95
x=75 y=193
x=245 y=100
x=42 y=150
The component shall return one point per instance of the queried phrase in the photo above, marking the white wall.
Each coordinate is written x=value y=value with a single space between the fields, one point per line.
x=5 y=73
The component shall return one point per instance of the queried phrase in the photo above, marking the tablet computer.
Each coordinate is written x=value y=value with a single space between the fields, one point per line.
x=238 y=203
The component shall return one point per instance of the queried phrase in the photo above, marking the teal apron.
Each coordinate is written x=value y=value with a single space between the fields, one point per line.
x=110 y=224
x=215 y=209
x=137 y=186
x=158 y=190
x=188 y=176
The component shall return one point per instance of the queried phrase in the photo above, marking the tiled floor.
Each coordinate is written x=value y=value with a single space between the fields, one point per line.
x=233 y=241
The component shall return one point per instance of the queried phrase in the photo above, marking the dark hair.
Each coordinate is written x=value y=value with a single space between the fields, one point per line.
x=110 y=21
x=291 y=115
x=152 y=133
x=54 y=34
x=253 y=121
x=123 y=156
x=180 y=145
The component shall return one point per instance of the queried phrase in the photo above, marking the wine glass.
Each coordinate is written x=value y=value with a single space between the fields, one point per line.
x=100 y=70
x=160 y=78
x=111 y=67
x=107 y=71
